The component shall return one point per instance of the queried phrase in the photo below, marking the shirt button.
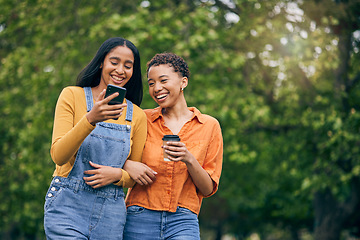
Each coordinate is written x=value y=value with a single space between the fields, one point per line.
x=50 y=195
x=57 y=180
x=168 y=192
x=53 y=189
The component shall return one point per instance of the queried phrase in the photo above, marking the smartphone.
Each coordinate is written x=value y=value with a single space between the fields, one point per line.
x=113 y=89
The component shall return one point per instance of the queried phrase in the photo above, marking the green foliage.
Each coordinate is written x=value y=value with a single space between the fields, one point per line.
x=275 y=79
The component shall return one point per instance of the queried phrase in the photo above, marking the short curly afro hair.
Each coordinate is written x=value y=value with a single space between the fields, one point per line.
x=171 y=59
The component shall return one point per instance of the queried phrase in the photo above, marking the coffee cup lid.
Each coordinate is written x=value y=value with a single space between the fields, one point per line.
x=171 y=138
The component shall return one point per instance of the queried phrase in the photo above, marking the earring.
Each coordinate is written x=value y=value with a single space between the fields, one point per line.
x=182 y=89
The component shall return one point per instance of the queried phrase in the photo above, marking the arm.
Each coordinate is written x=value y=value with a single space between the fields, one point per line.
x=138 y=143
x=140 y=172
x=206 y=177
x=68 y=135
x=177 y=151
x=214 y=158
x=104 y=175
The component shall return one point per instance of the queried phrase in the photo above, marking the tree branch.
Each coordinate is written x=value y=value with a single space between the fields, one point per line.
x=224 y=6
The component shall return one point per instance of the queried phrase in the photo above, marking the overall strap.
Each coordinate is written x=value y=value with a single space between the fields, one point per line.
x=89 y=98
x=129 y=111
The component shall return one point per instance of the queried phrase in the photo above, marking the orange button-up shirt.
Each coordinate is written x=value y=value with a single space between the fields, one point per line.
x=173 y=186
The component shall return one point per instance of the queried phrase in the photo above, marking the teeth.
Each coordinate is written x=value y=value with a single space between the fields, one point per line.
x=117 y=78
x=161 y=96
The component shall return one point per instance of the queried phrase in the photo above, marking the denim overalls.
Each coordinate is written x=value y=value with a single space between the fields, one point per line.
x=74 y=210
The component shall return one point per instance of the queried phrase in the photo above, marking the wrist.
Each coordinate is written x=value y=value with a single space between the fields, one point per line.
x=126 y=165
x=88 y=117
x=190 y=161
x=118 y=175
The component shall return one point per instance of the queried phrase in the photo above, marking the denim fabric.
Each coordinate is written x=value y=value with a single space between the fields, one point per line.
x=74 y=210
x=145 y=224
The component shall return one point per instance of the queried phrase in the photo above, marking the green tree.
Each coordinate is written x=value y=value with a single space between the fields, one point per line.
x=300 y=126
x=280 y=76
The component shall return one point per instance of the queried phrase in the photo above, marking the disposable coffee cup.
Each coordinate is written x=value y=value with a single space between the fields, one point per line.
x=169 y=138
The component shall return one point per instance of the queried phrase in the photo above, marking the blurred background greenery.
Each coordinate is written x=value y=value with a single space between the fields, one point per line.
x=282 y=78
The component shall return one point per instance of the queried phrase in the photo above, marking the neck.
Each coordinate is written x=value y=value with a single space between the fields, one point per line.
x=177 y=116
x=178 y=111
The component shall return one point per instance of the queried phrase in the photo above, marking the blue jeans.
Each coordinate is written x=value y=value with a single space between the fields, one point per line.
x=145 y=224
x=74 y=210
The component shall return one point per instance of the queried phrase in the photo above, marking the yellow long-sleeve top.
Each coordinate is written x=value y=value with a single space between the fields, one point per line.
x=71 y=127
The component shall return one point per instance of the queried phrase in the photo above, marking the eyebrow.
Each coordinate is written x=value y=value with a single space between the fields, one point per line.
x=117 y=58
x=159 y=77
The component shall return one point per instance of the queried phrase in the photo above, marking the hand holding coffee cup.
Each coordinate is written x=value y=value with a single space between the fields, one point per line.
x=169 y=138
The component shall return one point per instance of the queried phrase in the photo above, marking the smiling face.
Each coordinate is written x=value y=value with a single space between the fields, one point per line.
x=165 y=85
x=117 y=67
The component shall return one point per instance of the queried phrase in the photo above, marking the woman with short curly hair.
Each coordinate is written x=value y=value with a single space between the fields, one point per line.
x=166 y=200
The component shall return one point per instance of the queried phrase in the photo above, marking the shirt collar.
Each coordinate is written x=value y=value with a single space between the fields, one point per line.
x=156 y=113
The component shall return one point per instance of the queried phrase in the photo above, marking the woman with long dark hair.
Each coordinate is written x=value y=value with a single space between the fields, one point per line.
x=91 y=142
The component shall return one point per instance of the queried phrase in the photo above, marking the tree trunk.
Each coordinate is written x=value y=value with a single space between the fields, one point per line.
x=294 y=233
x=331 y=214
x=328 y=219
x=219 y=232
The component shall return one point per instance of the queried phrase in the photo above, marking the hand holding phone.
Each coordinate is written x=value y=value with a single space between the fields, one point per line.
x=111 y=89
x=102 y=111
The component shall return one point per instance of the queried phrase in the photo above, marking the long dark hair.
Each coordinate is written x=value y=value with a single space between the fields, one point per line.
x=91 y=74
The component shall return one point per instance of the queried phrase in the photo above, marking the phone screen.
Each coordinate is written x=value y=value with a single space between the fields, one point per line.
x=112 y=89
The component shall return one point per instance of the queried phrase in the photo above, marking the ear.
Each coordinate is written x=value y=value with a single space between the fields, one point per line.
x=184 y=82
x=101 y=65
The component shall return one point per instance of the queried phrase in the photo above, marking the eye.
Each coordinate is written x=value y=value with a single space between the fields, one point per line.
x=128 y=67
x=151 y=84
x=114 y=63
x=163 y=80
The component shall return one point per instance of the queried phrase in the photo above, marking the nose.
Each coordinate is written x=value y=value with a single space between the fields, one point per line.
x=157 y=87
x=120 y=69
